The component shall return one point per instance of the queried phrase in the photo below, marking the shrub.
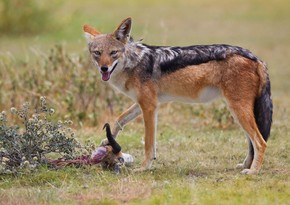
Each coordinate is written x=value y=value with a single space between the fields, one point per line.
x=72 y=84
x=68 y=81
x=39 y=138
x=215 y=114
x=221 y=115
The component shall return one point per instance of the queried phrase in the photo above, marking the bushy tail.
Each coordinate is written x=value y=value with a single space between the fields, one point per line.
x=263 y=109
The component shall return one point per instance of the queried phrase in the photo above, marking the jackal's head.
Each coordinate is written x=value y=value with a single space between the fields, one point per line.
x=107 y=50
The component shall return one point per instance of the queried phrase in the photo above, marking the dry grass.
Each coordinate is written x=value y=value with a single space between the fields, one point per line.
x=194 y=166
x=195 y=159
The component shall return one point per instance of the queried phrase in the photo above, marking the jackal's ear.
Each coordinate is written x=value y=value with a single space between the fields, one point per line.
x=122 y=33
x=90 y=32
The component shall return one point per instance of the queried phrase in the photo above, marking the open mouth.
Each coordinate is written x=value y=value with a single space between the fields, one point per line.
x=106 y=75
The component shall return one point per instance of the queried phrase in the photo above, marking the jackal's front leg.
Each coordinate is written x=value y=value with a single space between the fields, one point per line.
x=149 y=109
x=130 y=114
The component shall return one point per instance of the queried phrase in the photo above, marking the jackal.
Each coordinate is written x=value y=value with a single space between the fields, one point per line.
x=151 y=75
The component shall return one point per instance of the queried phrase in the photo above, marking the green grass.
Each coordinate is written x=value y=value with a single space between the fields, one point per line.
x=193 y=167
x=195 y=159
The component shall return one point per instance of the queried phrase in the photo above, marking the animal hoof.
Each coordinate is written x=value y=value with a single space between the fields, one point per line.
x=249 y=172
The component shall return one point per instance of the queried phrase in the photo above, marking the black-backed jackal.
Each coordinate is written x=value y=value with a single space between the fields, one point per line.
x=151 y=75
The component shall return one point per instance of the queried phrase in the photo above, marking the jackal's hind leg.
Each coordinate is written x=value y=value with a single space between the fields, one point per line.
x=245 y=116
x=249 y=158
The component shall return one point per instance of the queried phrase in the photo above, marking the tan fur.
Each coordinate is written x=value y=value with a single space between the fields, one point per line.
x=90 y=30
x=130 y=114
x=237 y=78
x=190 y=81
x=147 y=98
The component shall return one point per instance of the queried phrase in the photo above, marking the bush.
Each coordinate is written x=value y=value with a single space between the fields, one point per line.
x=215 y=115
x=38 y=139
x=73 y=86
x=69 y=82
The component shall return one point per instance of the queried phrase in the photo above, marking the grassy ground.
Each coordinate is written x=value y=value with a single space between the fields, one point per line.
x=198 y=169
x=195 y=160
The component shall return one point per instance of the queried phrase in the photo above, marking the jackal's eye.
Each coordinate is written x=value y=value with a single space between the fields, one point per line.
x=114 y=53
x=97 y=53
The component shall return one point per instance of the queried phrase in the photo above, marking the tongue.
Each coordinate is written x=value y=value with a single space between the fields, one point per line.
x=105 y=76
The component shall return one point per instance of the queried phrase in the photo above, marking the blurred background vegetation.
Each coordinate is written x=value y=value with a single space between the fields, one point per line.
x=25 y=17
x=43 y=52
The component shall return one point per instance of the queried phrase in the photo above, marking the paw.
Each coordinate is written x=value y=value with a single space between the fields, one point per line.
x=250 y=172
x=240 y=166
x=245 y=165
x=146 y=165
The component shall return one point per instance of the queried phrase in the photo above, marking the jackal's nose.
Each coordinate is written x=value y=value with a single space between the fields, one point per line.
x=104 y=68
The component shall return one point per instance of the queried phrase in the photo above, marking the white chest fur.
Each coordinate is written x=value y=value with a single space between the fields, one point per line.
x=119 y=86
